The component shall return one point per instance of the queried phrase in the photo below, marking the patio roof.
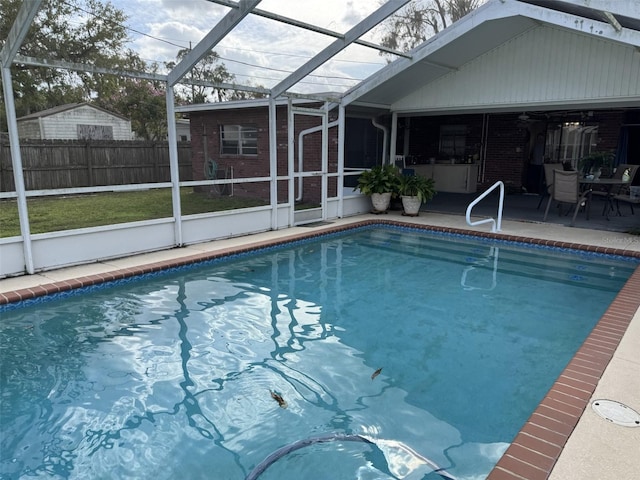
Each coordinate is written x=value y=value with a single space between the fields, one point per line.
x=488 y=27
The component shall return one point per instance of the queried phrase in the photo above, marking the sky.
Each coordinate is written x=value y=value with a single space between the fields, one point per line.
x=258 y=51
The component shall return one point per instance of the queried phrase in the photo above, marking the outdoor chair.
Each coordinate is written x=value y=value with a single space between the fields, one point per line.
x=566 y=189
x=548 y=181
x=625 y=196
x=610 y=194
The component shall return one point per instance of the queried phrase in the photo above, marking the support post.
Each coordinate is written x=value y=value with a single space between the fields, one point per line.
x=174 y=166
x=291 y=122
x=341 y=130
x=394 y=138
x=273 y=162
x=18 y=174
x=324 y=183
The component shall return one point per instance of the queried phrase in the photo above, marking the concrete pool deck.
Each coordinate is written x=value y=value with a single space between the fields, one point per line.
x=602 y=369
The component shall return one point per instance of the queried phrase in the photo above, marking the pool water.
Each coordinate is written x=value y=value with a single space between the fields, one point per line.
x=172 y=376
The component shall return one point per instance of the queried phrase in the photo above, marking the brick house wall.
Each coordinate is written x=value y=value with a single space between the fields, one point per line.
x=609 y=123
x=507 y=150
x=246 y=166
x=508 y=147
x=424 y=136
x=506 y=144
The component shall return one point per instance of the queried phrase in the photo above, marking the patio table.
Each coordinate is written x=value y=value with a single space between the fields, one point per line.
x=608 y=183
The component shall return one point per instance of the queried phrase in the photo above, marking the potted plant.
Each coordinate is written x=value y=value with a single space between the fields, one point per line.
x=380 y=182
x=415 y=190
x=597 y=163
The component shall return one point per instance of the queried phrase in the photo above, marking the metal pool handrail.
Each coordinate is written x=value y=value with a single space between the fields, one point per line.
x=496 y=225
x=493 y=253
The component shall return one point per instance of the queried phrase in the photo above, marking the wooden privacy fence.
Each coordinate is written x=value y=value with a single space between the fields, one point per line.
x=49 y=164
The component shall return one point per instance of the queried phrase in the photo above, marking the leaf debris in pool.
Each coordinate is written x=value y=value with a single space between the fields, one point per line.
x=278 y=398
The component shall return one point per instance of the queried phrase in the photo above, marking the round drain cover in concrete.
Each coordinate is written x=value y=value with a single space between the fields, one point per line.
x=617 y=413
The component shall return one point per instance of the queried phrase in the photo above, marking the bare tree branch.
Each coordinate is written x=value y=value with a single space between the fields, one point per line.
x=422 y=19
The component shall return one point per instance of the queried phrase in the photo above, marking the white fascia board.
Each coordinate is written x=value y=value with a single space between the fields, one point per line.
x=576 y=23
x=489 y=11
x=626 y=8
x=379 y=106
x=494 y=10
x=236 y=104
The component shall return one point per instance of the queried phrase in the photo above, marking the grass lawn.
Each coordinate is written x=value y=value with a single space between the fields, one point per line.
x=50 y=214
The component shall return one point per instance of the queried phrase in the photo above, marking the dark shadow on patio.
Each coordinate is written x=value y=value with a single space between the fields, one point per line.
x=523 y=208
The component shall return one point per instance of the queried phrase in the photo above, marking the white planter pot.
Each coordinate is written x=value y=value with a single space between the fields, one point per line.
x=411 y=205
x=381 y=201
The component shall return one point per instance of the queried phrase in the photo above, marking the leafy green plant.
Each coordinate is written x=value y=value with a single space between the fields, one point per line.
x=596 y=161
x=416 y=186
x=380 y=179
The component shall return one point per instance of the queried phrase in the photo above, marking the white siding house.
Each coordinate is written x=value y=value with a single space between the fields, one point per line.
x=183 y=130
x=75 y=121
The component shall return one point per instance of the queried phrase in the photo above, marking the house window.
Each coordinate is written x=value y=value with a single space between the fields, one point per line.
x=453 y=140
x=94 y=132
x=238 y=139
x=571 y=141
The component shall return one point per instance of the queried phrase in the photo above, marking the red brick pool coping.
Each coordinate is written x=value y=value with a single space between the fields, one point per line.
x=535 y=450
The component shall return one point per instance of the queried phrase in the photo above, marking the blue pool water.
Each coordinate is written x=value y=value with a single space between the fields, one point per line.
x=171 y=376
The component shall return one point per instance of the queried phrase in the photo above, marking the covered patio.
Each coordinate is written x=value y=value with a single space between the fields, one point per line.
x=524 y=208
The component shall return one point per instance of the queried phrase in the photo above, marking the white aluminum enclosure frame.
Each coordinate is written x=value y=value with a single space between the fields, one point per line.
x=17 y=252
x=604 y=19
x=323 y=113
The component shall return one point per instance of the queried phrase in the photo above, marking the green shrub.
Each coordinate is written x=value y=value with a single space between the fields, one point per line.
x=380 y=179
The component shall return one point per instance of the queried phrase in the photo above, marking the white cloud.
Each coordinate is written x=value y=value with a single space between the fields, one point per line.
x=256 y=41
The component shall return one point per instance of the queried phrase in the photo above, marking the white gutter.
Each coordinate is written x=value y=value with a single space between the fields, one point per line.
x=385 y=130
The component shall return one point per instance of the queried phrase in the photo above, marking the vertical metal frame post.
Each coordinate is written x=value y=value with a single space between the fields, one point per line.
x=393 y=140
x=17 y=34
x=174 y=165
x=18 y=174
x=273 y=162
x=324 y=181
x=341 y=131
x=291 y=124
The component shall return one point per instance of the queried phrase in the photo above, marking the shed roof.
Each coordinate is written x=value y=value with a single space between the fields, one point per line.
x=69 y=106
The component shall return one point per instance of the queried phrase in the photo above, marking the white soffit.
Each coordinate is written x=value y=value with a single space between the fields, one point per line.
x=544 y=67
x=488 y=27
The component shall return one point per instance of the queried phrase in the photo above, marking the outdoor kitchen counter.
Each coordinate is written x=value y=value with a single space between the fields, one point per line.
x=454 y=178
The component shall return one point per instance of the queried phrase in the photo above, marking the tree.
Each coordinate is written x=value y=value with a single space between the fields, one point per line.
x=95 y=34
x=98 y=40
x=207 y=69
x=79 y=31
x=144 y=102
x=421 y=19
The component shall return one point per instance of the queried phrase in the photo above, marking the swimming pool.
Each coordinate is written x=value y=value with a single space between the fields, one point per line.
x=181 y=366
